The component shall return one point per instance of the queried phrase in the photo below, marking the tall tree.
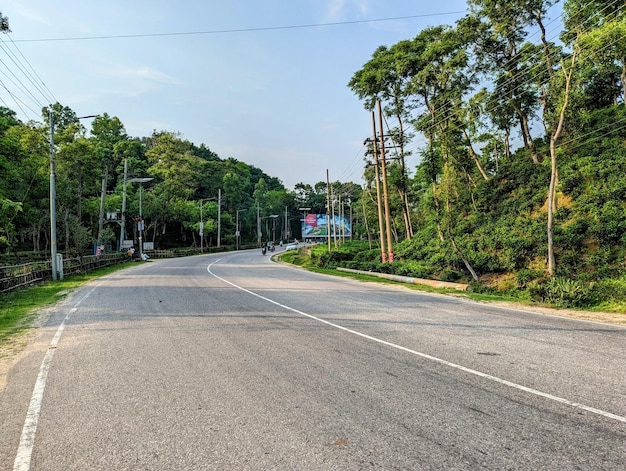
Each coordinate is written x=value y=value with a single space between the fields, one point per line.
x=504 y=26
x=4 y=24
x=387 y=77
x=177 y=171
x=441 y=84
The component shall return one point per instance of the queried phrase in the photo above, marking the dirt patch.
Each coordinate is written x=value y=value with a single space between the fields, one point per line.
x=14 y=348
x=607 y=317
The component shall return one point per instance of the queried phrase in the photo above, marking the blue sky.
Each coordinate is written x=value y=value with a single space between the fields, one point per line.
x=272 y=97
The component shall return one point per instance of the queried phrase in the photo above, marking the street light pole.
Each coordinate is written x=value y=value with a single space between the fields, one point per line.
x=219 y=216
x=123 y=230
x=141 y=181
x=274 y=217
x=286 y=238
x=201 y=228
x=238 y=233
x=141 y=224
x=53 y=204
x=303 y=225
x=53 y=196
x=258 y=224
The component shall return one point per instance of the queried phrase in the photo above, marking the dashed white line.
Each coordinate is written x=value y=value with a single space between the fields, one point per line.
x=430 y=357
x=27 y=439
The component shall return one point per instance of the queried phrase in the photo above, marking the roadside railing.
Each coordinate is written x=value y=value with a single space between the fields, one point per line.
x=22 y=275
x=27 y=274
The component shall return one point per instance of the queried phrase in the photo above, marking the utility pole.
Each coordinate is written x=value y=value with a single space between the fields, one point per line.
x=381 y=229
x=53 y=201
x=385 y=189
x=258 y=224
x=286 y=235
x=201 y=228
x=237 y=231
x=332 y=215
x=102 y=202
x=123 y=230
x=367 y=227
x=219 y=215
x=328 y=208
x=342 y=230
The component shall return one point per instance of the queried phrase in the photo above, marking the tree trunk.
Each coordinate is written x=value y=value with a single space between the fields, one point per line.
x=546 y=45
x=66 y=218
x=553 y=167
x=529 y=144
x=80 y=191
x=623 y=78
x=507 y=144
x=474 y=156
x=102 y=204
x=402 y=190
x=465 y=260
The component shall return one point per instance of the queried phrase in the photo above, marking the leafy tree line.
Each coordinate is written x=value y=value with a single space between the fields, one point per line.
x=89 y=165
x=519 y=186
x=520 y=181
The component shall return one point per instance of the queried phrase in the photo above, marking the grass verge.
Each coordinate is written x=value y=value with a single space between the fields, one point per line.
x=611 y=313
x=19 y=309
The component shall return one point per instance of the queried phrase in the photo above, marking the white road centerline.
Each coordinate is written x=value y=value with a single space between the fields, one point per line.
x=429 y=357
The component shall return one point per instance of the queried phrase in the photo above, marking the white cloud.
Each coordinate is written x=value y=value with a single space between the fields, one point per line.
x=144 y=73
x=136 y=81
x=340 y=10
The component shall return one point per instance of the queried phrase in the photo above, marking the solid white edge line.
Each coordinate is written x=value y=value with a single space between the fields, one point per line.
x=27 y=439
x=430 y=357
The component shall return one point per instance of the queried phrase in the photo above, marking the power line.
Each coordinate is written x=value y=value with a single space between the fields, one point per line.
x=25 y=81
x=243 y=30
x=47 y=92
x=447 y=111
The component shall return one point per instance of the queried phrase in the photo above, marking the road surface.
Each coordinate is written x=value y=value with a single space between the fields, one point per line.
x=230 y=361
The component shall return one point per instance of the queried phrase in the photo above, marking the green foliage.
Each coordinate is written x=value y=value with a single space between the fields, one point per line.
x=609 y=291
x=478 y=206
x=18 y=308
x=561 y=292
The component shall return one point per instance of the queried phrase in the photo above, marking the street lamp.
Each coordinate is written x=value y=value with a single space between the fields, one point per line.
x=202 y=226
x=53 y=197
x=274 y=217
x=303 y=225
x=238 y=233
x=141 y=181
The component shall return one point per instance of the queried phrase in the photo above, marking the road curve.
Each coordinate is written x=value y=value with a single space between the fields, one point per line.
x=231 y=361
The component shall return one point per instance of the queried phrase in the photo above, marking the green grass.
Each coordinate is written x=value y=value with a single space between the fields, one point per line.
x=19 y=308
x=304 y=261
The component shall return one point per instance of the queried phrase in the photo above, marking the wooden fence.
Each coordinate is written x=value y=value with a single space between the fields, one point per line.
x=27 y=274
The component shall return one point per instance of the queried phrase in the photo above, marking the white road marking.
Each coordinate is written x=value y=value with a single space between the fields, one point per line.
x=430 y=357
x=27 y=439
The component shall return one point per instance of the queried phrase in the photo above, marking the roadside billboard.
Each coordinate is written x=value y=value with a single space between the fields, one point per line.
x=315 y=226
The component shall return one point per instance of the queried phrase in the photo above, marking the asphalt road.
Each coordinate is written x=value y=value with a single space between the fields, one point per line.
x=231 y=361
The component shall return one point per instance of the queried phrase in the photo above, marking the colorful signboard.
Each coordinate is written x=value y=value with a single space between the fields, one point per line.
x=315 y=226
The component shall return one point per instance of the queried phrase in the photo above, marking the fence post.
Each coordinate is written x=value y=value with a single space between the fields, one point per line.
x=60 y=265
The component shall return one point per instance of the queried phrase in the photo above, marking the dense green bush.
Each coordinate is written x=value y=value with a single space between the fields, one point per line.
x=611 y=290
x=561 y=292
x=499 y=226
